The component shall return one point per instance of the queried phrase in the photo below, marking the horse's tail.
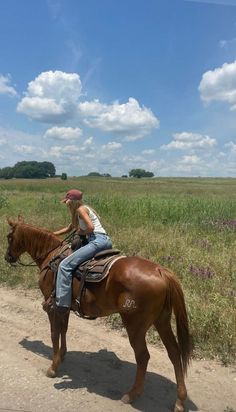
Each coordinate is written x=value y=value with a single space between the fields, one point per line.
x=177 y=304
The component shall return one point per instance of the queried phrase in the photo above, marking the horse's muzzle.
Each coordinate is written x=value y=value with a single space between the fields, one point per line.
x=10 y=259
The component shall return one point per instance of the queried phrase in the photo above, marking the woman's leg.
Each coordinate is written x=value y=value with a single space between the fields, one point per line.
x=66 y=267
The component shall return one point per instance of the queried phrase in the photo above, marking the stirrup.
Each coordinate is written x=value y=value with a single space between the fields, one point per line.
x=79 y=312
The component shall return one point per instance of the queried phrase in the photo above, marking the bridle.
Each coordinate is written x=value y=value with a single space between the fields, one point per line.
x=42 y=257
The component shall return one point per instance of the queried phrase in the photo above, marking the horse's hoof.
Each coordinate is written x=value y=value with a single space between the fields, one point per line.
x=126 y=399
x=179 y=408
x=51 y=373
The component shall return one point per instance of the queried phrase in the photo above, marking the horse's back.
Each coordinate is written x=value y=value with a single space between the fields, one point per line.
x=136 y=266
x=138 y=274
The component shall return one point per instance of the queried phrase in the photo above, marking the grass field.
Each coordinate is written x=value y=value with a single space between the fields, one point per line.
x=188 y=225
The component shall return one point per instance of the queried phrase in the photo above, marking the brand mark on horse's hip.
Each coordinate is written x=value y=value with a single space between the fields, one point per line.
x=129 y=304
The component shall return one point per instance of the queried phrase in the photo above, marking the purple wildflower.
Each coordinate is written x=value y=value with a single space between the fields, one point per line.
x=168 y=258
x=224 y=224
x=202 y=272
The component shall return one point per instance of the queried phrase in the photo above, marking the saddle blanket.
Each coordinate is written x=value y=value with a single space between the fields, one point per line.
x=95 y=269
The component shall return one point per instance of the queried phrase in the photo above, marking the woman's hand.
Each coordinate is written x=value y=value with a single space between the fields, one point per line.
x=63 y=231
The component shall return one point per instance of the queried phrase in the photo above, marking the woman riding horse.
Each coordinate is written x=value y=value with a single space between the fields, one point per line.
x=142 y=292
x=86 y=222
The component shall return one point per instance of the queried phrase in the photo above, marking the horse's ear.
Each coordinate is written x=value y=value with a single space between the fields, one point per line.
x=10 y=221
x=20 y=219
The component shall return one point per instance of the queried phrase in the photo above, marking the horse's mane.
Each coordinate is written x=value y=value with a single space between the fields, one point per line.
x=41 y=241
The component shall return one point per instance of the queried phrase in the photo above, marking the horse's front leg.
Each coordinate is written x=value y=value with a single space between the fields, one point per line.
x=58 y=324
x=64 y=328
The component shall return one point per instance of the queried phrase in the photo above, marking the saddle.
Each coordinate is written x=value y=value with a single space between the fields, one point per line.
x=97 y=268
x=93 y=270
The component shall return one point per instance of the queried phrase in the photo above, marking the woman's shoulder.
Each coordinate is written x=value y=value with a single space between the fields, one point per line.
x=83 y=209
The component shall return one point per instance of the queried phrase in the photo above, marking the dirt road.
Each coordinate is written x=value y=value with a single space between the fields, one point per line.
x=98 y=369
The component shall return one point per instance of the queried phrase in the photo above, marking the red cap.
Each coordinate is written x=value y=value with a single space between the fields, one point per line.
x=73 y=194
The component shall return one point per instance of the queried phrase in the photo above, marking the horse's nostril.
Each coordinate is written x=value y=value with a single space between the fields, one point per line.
x=9 y=258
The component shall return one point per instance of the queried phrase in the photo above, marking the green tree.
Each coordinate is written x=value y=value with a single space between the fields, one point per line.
x=94 y=174
x=149 y=174
x=6 y=173
x=29 y=169
x=138 y=173
x=63 y=176
x=49 y=169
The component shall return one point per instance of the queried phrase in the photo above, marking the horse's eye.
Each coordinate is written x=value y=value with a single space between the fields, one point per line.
x=9 y=237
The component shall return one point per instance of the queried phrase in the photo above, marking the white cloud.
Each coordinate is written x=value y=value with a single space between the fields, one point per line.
x=63 y=151
x=25 y=149
x=54 y=151
x=87 y=145
x=224 y=44
x=135 y=136
x=11 y=136
x=63 y=133
x=134 y=159
x=5 y=87
x=92 y=109
x=128 y=162
x=89 y=155
x=51 y=97
x=128 y=119
x=148 y=151
x=111 y=146
x=220 y=85
x=190 y=160
x=231 y=146
x=188 y=140
x=88 y=141
x=3 y=142
x=70 y=149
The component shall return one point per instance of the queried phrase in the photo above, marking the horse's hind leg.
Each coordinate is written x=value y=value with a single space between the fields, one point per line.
x=137 y=332
x=163 y=327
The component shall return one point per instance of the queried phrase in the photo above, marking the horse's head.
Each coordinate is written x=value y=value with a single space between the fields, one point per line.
x=15 y=244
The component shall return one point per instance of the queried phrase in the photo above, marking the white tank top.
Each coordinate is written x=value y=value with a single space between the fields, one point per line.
x=96 y=222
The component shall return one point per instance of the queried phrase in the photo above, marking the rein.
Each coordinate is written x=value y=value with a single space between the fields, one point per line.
x=32 y=263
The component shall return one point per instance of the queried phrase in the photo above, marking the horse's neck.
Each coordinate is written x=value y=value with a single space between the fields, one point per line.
x=39 y=243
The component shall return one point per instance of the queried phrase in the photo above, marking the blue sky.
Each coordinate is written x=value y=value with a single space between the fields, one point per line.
x=108 y=86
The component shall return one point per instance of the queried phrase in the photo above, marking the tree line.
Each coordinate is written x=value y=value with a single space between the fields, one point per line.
x=29 y=170
x=138 y=173
x=42 y=170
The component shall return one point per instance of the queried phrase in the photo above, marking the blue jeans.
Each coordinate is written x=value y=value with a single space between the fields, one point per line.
x=96 y=243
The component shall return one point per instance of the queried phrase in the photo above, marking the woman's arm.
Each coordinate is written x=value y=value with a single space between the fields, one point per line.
x=64 y=230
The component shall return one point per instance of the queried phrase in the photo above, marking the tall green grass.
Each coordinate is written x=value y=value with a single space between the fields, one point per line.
x=184 y=224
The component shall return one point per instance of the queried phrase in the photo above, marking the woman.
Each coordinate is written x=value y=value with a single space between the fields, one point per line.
x=86 y=221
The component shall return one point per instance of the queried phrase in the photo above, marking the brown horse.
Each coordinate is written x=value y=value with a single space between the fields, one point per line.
x=142 y=292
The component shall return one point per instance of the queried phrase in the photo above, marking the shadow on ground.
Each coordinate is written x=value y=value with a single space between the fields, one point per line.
x=106 y=375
